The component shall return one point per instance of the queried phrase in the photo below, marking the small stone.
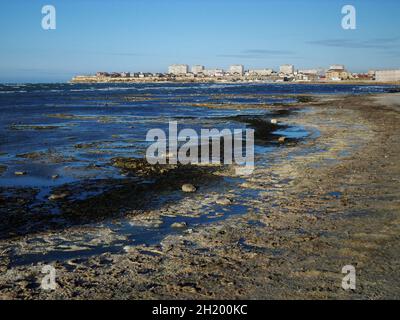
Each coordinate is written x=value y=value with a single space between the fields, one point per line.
x=20 y=173
x=282 y=139
x=58 y=196
x=224 y=201
x=54 y=177
x=128 y=249
x=179 y=225
x=274 y=121
x=188 y=188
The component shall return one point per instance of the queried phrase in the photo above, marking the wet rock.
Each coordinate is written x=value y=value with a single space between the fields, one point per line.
x=20 y=173
x=85 y=145
x=179 y=225
x=32 y=127
x=217 y=215
x=224 y=201
x=304 y=99
x=274 y=121
x=141 y=167
x=31 y=155
x=189 y=188
x=48 y=157
x=248 y=185
x=282 y=140
x=129 y=249
x=58 y=196
x=54 y=177
x=146 y=222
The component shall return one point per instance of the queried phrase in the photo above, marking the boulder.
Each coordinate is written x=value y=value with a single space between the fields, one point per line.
x=57 y=196
x=189 y=188
x=179 y=225
x=224 y=201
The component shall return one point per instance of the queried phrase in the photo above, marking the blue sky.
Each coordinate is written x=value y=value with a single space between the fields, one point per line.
x=148 y=35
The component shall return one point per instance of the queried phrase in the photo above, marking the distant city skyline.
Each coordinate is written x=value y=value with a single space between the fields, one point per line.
x=150 y=35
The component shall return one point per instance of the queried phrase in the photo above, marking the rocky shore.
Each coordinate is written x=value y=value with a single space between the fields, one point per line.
x=310 y=208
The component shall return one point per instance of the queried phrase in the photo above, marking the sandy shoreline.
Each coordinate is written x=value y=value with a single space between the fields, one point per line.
x=330 y=201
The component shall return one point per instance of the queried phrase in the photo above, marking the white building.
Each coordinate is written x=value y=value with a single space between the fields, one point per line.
x=286 y=69
x=236 y=69
x=260 y=72
x=197 y=69
x=178 y=69
x=387 y=75
x=337 y=67
x=214 y=72
x=309 y=71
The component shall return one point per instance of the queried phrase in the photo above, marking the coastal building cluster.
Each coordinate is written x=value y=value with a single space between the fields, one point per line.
x=237 y=72
x=287 y=72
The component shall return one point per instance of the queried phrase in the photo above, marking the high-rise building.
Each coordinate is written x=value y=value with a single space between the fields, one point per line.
x=236 y=69
x=286 y=69
x=308 y=71
x=178 y=69
x=387 y=75
x=260 y=72
x=197 y=69
x=337 y=67
x=214 y=72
